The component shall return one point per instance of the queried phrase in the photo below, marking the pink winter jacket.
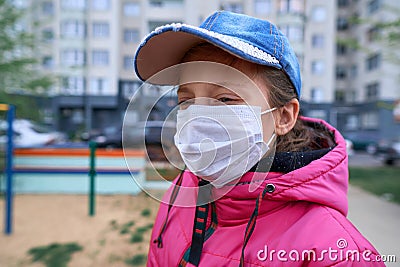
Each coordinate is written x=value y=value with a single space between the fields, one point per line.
x=300 y=223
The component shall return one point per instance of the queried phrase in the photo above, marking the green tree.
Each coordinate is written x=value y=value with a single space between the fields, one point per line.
x=384 y=31
x=19 y=74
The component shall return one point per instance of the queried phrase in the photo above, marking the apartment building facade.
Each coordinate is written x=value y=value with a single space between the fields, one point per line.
x=89 y=46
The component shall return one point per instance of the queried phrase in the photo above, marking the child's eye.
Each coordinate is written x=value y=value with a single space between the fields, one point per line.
x=185 y=103
x=227 y=100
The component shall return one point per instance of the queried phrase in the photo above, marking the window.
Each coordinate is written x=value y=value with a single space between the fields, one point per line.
x=369 y=120
x=72 y=28
x=131 y=9
x=317 y=95
x=318 y=67
x=318 y=114
x=341 y=72
x=351 y=96
x=341 y=49
x=373 y=62
x=293 y=32
x=100 y=29
x=100 y=58
x=154 y=24
x=318 y=41
x=343 y=3
x=131 y=36
x=48 y=8
x=73 y=57
x=128 y=62
x=73 y=85
x=48 y=35
x=47 y=62
x=318 y=14
x=262 y=7
x=340 y=96
x=233 y=7
x=129 y=88
x=156 y=3
x=352 y=122
x=73 y=4
x=373 y=6
x=372 y=91
x=291 y=6
x=98 y=86
x=100 y=4
x=373 y=34
x=342 y=24
x=353 y=71
x=166 y=3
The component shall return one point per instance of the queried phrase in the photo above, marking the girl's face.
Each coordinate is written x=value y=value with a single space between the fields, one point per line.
x=236 y=82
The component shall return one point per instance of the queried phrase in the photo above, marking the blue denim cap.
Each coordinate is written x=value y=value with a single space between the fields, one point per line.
x=246 y=37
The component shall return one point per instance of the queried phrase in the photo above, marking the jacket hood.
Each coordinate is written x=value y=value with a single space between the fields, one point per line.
x=323 y=181
x=301 y=210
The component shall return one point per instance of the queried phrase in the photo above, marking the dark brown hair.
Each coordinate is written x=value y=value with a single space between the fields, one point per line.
x=302 y=137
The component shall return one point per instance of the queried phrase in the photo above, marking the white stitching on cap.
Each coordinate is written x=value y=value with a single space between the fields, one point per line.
x=230 y=40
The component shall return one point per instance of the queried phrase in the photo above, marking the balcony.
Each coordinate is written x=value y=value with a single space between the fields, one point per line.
x=166 y=9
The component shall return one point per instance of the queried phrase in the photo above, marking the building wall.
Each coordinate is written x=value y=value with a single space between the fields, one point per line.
x=319 y=55
x=331 y=75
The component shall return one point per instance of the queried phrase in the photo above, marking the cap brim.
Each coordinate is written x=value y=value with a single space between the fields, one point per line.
x=163 y=51
x=167 y=45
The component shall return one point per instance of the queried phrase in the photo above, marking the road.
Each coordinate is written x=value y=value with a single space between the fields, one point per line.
x=363 y=159
x=377 y=219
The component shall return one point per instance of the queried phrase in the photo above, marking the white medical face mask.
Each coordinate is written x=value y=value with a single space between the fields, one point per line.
x=221 y=143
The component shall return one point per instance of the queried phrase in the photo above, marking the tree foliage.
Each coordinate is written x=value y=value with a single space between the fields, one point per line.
x=384 y=31
x=19 y=72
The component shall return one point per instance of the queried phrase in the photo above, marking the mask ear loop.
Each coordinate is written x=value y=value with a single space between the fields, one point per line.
x=172 y=199
x=255 y=184
x=268 y=110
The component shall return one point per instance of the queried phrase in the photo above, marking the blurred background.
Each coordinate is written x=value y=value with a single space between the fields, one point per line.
x=67 y=67
x=69 y=64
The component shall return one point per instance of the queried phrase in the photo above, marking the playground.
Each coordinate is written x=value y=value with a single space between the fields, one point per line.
x=74 y=206
x=117 y=236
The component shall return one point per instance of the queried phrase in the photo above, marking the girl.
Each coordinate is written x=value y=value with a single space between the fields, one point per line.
x=254 y=204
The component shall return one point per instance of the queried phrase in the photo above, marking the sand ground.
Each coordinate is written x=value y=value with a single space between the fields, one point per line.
x=44 y=219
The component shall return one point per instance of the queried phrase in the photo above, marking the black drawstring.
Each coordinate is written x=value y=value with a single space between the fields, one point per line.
x=200 y=222
x=172 y=199
x=253 y=219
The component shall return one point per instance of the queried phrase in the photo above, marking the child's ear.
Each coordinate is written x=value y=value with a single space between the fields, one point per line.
x=286 y=117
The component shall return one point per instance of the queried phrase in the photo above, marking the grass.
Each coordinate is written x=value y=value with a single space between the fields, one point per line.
x=382 y=181
x=136 y=237
x=146 y=212
x=136 y=260
x=143 y=229
x=54 y=254
x=125 y=228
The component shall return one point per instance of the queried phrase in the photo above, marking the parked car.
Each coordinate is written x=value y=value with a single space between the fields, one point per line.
x=29 y=134
x=389 y=151
x=153 y=134
x=156 y=136
x=363 y=141
x=349 y=147
x=108 y=137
